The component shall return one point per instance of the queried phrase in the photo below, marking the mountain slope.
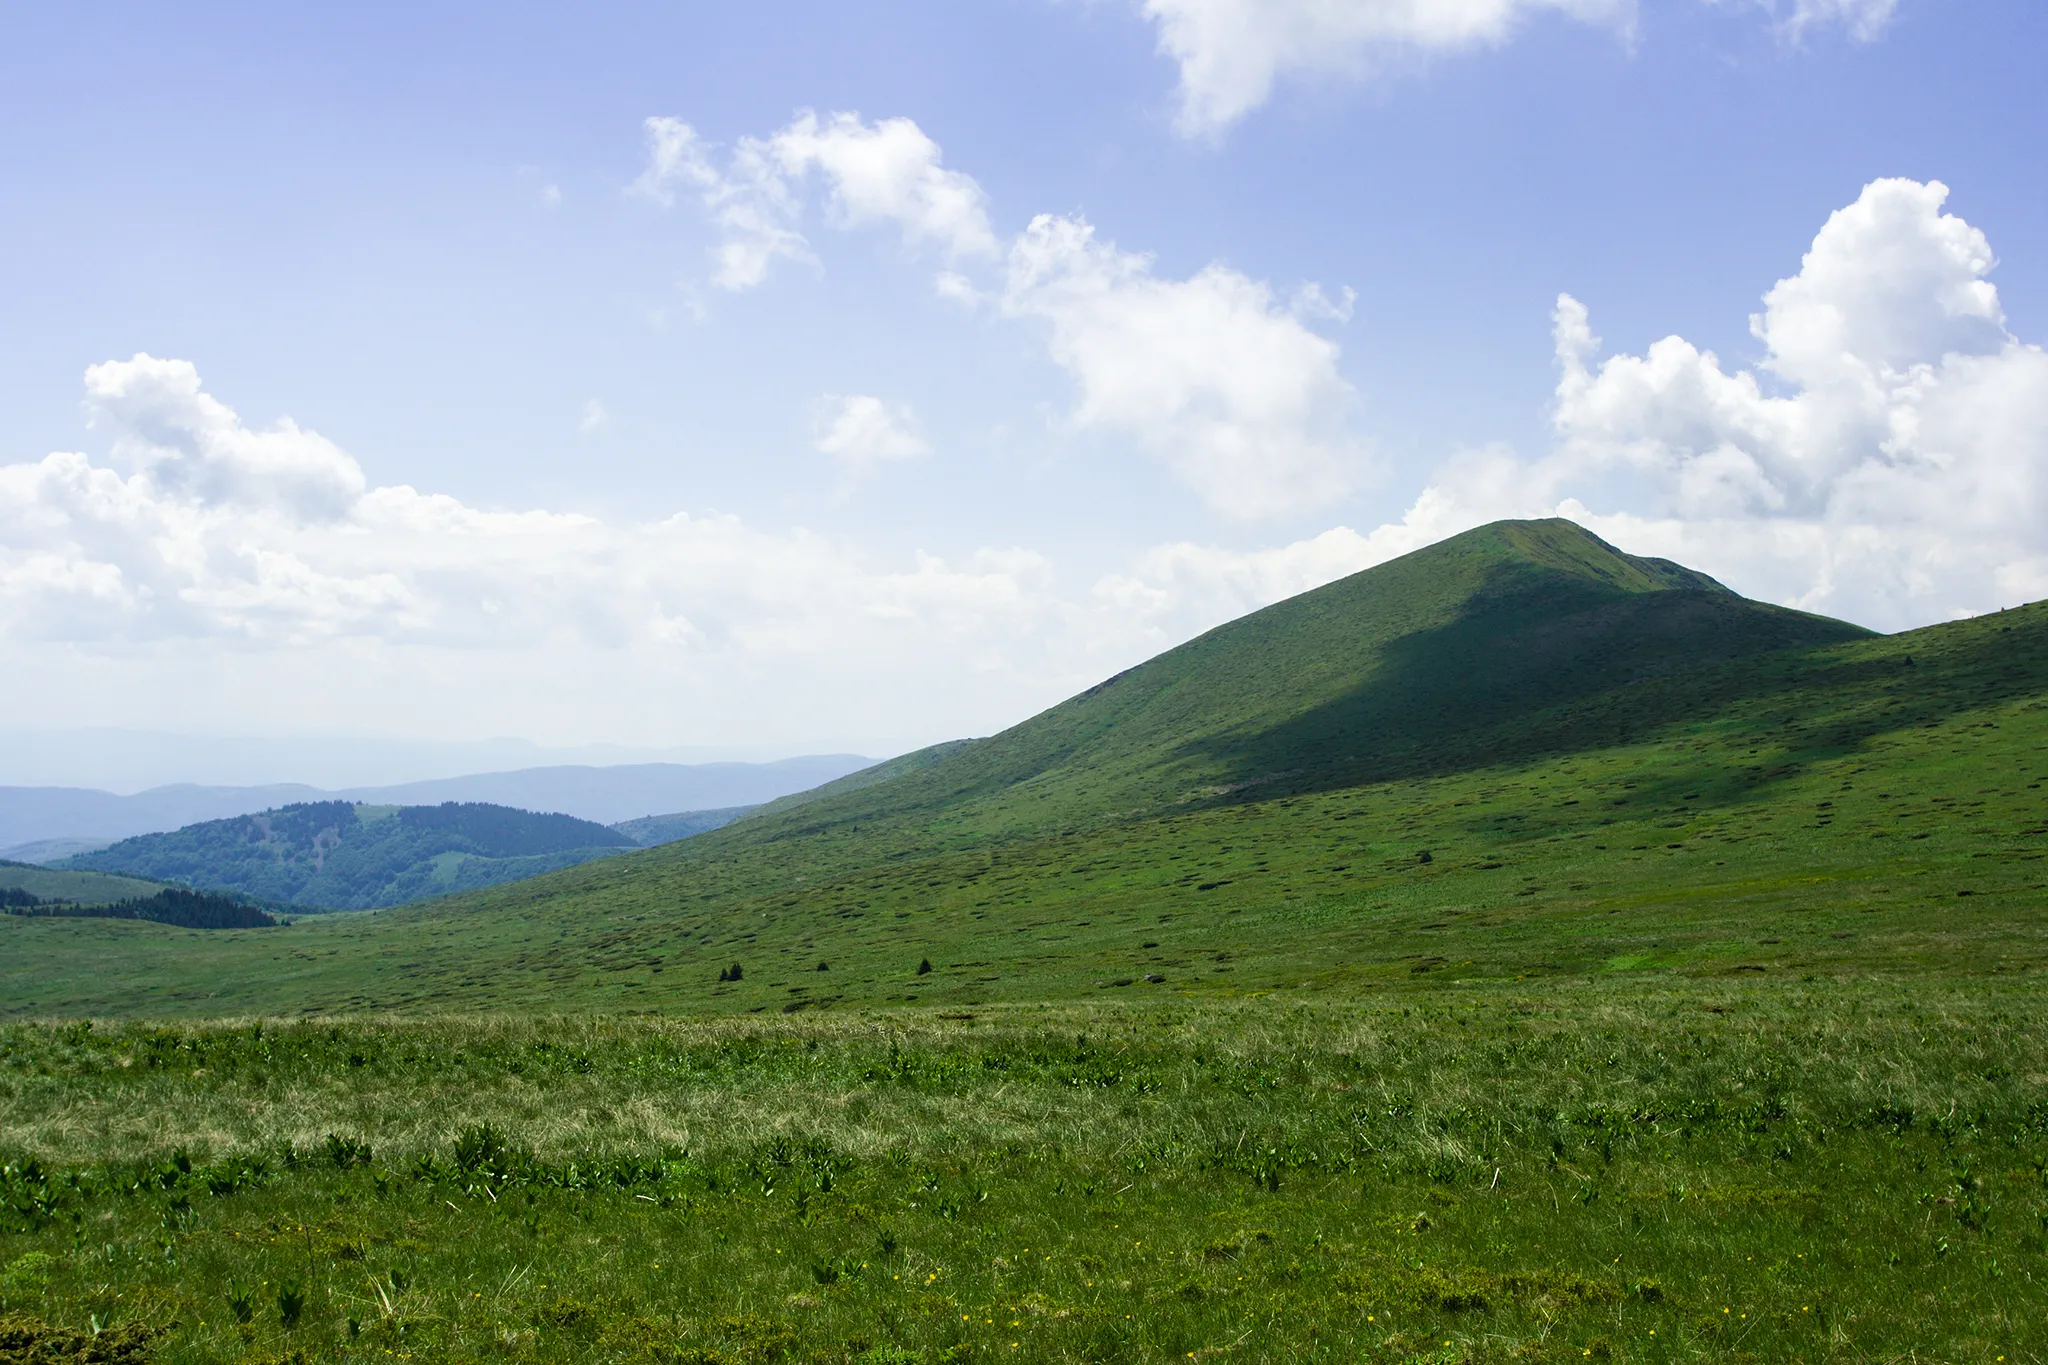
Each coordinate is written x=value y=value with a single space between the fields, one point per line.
x=337 y=855
x=1446 y=658
x=1628 y=806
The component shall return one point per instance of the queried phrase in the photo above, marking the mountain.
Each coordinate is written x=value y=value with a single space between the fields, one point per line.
x=31 y=816
x=343 y=856
x=1455 y=656
x=1516 y=754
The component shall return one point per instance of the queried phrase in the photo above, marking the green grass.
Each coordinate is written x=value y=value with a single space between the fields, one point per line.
x=1729 y=1172
x=1632 y=974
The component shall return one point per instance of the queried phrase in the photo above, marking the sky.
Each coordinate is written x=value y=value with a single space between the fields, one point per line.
x=802 y=377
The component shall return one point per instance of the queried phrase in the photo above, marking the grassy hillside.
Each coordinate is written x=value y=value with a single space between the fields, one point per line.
x=339 y=855
x=1542 y=956
x=1866 y=805
x=85 y=888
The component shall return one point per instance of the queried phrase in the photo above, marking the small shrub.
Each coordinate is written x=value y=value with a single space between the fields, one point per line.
x=924 y=966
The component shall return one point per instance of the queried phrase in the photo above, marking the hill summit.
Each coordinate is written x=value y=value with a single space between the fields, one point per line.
x=1466 y=653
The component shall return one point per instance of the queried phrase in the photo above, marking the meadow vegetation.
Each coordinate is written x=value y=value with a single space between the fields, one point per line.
x=1726 y=1171
x=1632 y=974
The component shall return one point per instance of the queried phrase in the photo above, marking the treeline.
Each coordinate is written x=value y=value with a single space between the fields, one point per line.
x=172 y=905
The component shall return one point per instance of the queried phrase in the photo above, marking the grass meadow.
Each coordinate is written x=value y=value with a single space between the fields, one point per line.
x=1692 y=1019
x=1713 y=1171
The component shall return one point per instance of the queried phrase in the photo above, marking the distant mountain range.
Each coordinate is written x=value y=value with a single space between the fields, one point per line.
x=44 y=823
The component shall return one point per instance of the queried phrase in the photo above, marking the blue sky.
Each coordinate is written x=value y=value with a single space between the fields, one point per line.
x=939 y=468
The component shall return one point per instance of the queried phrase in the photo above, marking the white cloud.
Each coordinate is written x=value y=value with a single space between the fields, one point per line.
x=1209 y=373
x=191 y=445
x=864 y=432
x=1863 y=20
x=1230 y=52
x=1311 y=302
x=205 y=528
x=886 y=172
x=207 y=574
x=594 y=416
x=1213 y=375
x=1887 y=461
x=676 y=158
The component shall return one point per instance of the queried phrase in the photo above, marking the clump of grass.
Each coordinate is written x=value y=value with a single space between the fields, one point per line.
x=291 y=1303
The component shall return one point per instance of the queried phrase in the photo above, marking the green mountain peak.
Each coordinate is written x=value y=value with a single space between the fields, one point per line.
x=1460 y=654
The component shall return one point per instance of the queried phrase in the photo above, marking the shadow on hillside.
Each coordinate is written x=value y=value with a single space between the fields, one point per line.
x=1541 y=669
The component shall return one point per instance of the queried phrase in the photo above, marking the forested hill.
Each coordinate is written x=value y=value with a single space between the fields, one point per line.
x=342 y=856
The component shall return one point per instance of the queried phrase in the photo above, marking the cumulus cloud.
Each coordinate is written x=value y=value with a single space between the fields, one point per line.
x=236 y=576
x=885 y=172
x=200 y=526
x=192 y=445
x=1230 y=52
x=1210 y=373
x=1214 y=375
x=1887 y=459
x=888 y=171
x=862 y=432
